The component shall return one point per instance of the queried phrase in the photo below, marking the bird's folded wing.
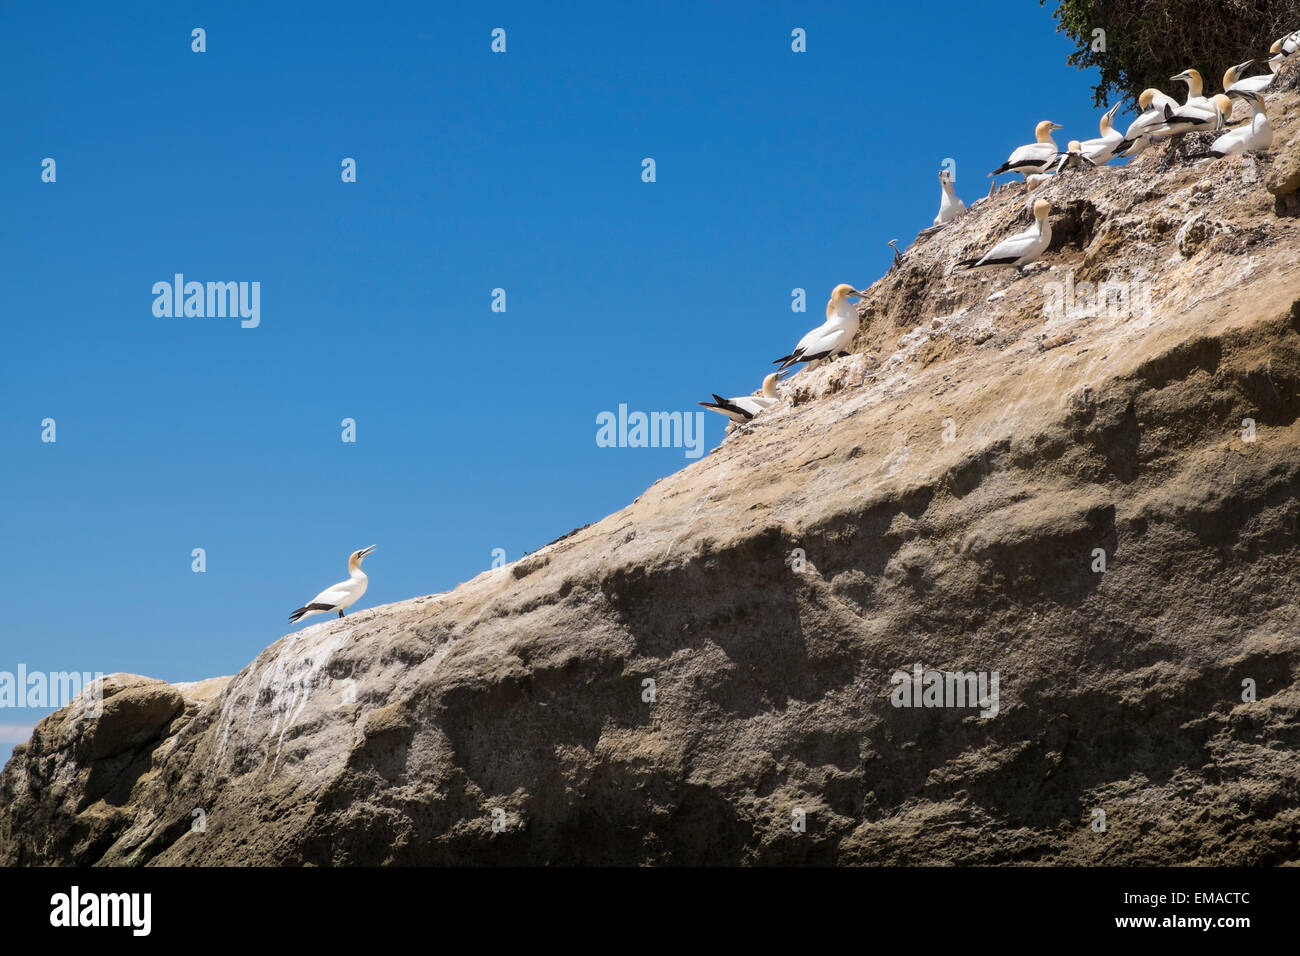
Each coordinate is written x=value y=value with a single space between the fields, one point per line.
x=1148 y=120
x=749 y=405
x=1033 y=153
x=1010 y=249
x=809 y=340
x=822 y=339
x=332 y=595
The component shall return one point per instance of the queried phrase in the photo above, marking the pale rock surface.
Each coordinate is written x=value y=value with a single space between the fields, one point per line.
x=394 y=735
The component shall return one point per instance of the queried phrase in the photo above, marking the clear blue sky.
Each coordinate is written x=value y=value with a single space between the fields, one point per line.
x=475 y=430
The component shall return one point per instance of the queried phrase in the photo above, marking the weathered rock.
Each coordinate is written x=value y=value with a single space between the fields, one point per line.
x=71 y=784
x=946 y=497
x=1284 y=178
x=132 y=717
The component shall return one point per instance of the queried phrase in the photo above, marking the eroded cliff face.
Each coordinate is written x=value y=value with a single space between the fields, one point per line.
x=942 y=498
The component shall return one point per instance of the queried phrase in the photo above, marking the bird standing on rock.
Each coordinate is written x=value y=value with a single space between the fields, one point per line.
x=1151 y=103
x=1285 y=48
x=1249 y=84
x=1073 y=157
x=950 y=206
x=747 y=406
x=1257 y=134
x=341 y=596
x=1197 y=118
x=1195 y=87
x=831 y=336
x=1101 y=150
x=1036 y=157
x=1022 y=248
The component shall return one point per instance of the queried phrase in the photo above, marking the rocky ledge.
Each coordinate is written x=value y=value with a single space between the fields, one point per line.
x=1099 y=506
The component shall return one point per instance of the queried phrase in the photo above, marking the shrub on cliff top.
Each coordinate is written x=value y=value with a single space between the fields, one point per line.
x=1147 y=41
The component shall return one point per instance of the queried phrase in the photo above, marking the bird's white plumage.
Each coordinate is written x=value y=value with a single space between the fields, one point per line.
x=1024 y=247
x=1031 y=158
x=1283 y=50
x=1288 y=46
x=338 y=597
x=950 y=205
x=1255 y=135
x=1152 y=104
x=1195 y=88
x=343 y=595
x=745 y=407
x=1196 y=118
x=1233 y=80
x=1073 y=157
x=831 y=336
x=1035 y=157
x=1039 y=155
x=826 y=338
x=1101 y=150
x=751 y=405
x=1254 y=84
x=1162 y=99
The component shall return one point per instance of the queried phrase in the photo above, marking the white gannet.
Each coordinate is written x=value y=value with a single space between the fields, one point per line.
x=831 y=336
x=1151 y=103
x=747 y=406
x=1073 y=157
x=1277 y=55
x=1101 y=151
x=1286 y=47
x=1037 y=157
x=1250 y=84
x=1022 y=248
x=1258 y=134
x=950 y=206
x=1159 y=99
x=1195 y=87
x=1194 y=119
x=341 y=596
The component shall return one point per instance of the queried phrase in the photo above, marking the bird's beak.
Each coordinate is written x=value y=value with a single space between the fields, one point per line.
x=366 y=551
x=1181 y=76
x=1057 y=126
x=1243 y=67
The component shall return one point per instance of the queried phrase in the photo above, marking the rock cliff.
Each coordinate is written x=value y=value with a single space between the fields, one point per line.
x=697 y=676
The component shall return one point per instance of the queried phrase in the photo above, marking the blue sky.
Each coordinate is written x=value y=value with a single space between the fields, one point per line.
x=523 y=171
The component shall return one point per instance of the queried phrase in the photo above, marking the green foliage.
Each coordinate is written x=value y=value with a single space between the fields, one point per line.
x=1148 y=41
